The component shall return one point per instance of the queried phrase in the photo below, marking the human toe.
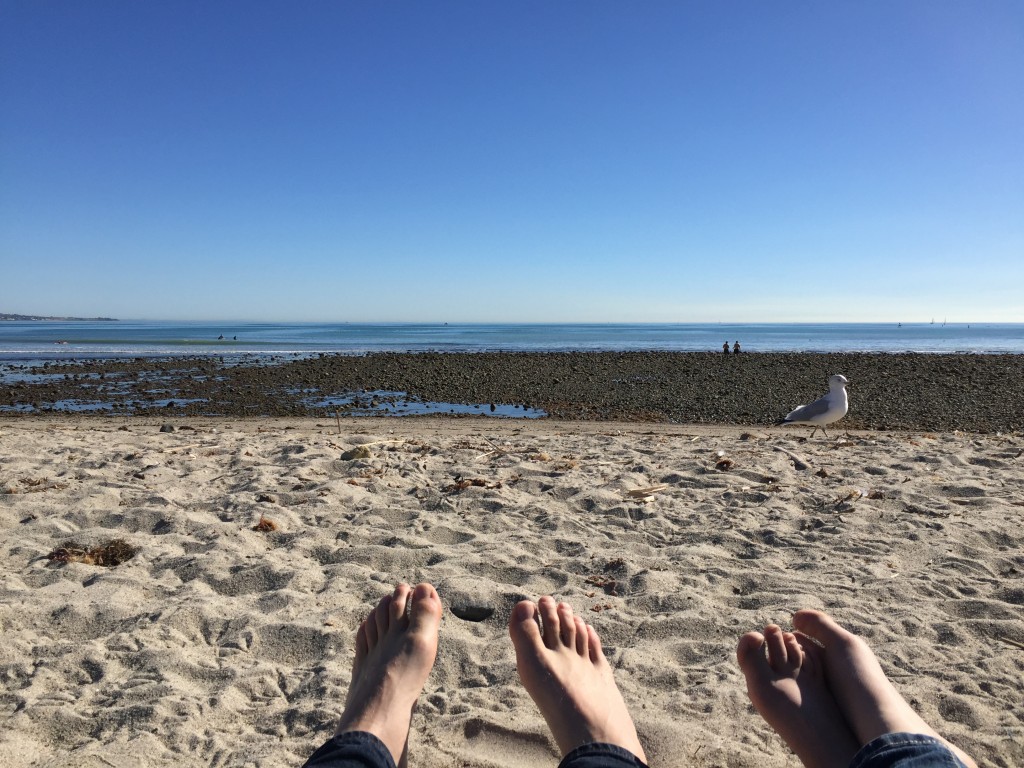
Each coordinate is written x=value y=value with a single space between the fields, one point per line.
x=794 y=652
x=582 y=637
x=549 y=622
x=750 y=651
x=425 y=610
x=566 y=625
x=778 y=651
x=821 y=627
x=399 y=602
x=382 y=615
x=362 y=644
x=594 y=646
x=369 y=630
x=522 y=624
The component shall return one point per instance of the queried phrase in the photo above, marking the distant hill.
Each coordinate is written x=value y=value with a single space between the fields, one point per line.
x=5 y=316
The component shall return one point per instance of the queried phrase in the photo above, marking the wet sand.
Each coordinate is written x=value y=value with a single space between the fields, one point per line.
x=971 y=393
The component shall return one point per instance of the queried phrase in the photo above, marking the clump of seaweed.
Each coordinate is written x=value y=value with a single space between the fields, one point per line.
x=265 y=525
x=107 y=555
x=462 y=483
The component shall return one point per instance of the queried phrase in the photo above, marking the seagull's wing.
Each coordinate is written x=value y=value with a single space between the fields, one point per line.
x=812 y=410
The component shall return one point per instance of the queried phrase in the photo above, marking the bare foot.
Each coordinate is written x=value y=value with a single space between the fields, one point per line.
x=786 y=683
x=394 y=656
x=871 y=704
x=567 y=676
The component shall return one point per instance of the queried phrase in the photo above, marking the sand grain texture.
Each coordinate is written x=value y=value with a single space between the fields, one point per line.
x=222 y=645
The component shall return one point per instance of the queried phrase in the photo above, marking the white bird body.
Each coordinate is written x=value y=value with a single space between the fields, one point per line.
x=825 y=410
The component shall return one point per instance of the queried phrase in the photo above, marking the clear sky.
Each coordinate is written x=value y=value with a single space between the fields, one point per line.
x=513 y=161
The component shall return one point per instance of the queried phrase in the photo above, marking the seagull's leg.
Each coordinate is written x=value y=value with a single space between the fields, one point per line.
x=824 y=433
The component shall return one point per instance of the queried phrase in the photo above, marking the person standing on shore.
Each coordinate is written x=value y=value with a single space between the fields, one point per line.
x=725 y=348
x=735 y=348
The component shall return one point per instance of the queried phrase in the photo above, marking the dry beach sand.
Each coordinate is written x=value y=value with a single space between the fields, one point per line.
x=218 y=644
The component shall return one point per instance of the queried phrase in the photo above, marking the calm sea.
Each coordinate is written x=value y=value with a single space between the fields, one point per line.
x=52 y=340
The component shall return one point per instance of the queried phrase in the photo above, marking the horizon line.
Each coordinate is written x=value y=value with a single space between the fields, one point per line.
x=442 y=323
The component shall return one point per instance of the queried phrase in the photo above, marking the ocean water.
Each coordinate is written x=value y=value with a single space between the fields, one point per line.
x=55 y=340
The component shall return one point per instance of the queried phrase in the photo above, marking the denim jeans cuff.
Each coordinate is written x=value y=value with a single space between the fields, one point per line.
x=360 y=747
x=906 y=750
x=598 y=755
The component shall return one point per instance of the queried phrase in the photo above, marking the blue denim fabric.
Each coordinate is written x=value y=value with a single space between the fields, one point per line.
x=358 y=749
x=598 y=755
x=906 y=750
x=355 y=749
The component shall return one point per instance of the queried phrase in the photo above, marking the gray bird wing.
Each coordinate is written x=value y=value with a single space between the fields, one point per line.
x=809 y=411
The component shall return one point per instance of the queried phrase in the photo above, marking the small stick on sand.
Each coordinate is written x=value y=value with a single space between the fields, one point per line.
x=187 y=447
x=1011 y=641
x=643 y=493
x=798 y=463
x=496 y=449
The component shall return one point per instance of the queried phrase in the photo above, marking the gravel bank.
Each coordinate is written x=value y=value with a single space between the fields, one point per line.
x=974 y=393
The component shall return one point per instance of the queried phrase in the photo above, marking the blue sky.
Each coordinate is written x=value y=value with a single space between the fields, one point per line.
x=517 y=161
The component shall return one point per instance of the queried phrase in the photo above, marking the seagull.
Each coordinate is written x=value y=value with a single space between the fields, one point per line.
x=825 y=410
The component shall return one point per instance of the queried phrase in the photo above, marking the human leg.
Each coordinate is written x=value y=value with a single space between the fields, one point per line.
x=906 y=750
x=394 y=656
x=563 y=668
x=786 y=684
x=823 y=690
x=870 y=703
x=353 y=749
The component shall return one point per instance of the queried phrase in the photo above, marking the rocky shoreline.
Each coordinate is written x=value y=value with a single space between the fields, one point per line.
x=972 y=393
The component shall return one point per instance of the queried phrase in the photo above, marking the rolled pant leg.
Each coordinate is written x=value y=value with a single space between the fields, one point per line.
x=601 y=756
x=906 y=750
x=355 y=749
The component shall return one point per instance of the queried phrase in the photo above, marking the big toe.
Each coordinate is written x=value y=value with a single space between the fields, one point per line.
x=750 y=653
x=821 y=627
x=425 y=613
x=523 y=627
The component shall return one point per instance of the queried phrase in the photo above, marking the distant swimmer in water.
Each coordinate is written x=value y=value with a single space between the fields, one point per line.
x=219 y=338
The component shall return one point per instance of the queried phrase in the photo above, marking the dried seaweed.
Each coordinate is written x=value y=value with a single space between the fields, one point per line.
x=462 y=483
x=265 y=525
x=36 y=485
x=609 y=584
x=107 y=555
